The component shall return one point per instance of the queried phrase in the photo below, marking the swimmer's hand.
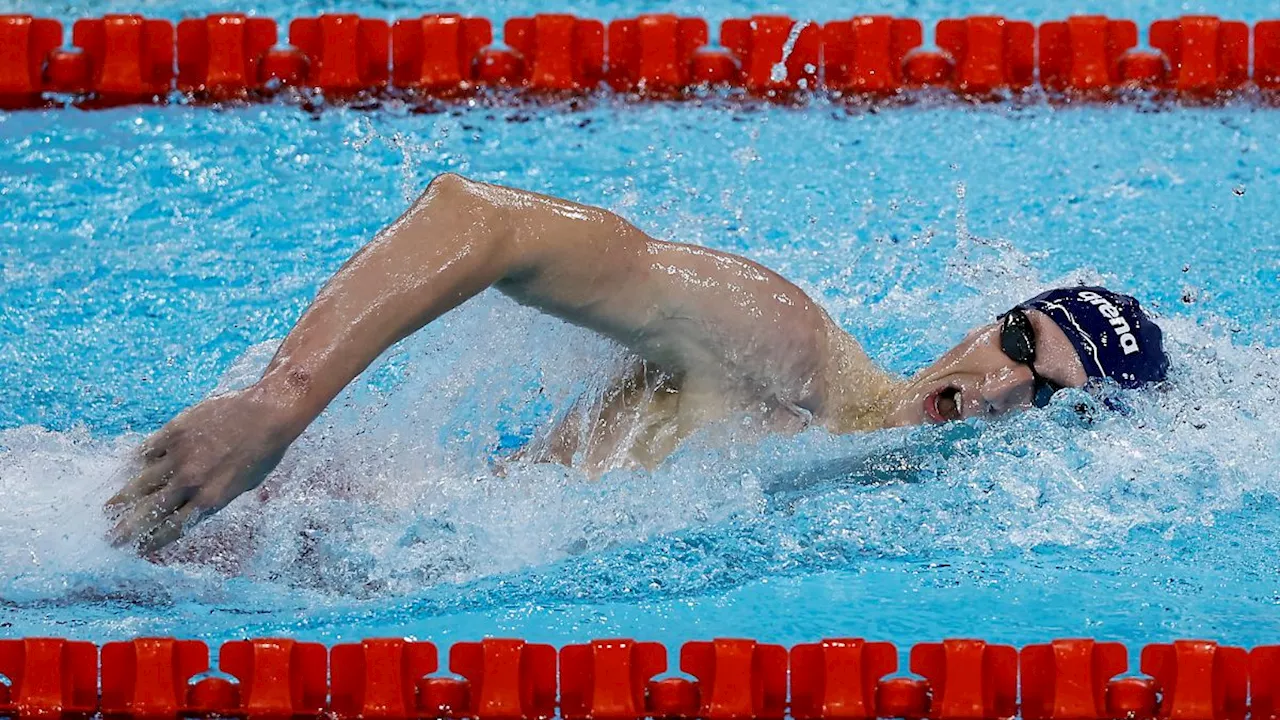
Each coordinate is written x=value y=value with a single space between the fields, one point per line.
x=197 y=464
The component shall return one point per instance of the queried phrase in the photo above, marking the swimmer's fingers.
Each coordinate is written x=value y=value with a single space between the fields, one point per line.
x=154 y=476
x=148 y=514
x=204 y=504
x=174 y=526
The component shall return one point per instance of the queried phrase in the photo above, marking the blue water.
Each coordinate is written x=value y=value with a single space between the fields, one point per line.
x=150 y=256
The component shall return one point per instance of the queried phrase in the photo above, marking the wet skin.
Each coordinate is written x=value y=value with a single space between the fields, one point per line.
x=716 y=335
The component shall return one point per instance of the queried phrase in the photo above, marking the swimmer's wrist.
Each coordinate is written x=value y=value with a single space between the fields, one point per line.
x=288 y=400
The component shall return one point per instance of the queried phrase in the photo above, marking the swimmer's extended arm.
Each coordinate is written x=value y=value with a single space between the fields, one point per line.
x=689 y=309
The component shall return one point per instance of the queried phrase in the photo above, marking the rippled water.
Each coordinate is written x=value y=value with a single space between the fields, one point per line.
x=149 y=256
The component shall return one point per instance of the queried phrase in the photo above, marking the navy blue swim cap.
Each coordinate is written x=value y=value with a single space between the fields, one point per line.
x=1113 y=336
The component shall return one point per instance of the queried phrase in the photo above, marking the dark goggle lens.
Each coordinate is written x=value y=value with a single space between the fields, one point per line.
x=1017 y=338
x=1018 y=341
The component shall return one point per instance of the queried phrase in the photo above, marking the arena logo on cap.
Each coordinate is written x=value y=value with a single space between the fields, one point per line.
x=1128 y=342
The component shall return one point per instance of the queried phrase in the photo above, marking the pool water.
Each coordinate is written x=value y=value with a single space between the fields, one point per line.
x=151 y=256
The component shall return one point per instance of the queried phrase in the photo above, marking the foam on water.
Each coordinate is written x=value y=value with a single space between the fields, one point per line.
x=388 y=515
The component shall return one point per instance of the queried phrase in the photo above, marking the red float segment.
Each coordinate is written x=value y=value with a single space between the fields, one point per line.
x=1131 y=698
x=510 y=679
x=1206 y=55
x=278 y=677
x=737 y=679
x=149 y=677
x=1067 y=679
x=67 y=71
x=775 y=53
x=286 y=66
x=1143 y=69
x=837 y=678
x=673 y=699
x=1264 y=682
x=25 y=44
x=1198 y=679
x=437 y=52
x=1083 y=53
x=606 y=680
x=49 y=676
x=653 y=52
x=865 y=54
x=220 y=54
x=990 y=53
x=902 y=698
x=1266 y=54
x=346 y=53
x=443 y=697
x=969 y=679
x=714 y=67
x=129 y=58
x=926 y=69
x=560 y=52
x=213 y=696
x=500 y=67
x=378 y=678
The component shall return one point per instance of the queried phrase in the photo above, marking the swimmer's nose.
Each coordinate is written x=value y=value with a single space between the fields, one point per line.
x=1006 y=389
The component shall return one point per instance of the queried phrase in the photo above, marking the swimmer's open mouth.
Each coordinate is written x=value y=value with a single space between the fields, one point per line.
x=943 y=405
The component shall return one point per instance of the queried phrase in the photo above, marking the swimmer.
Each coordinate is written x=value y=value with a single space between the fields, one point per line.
x=716 y=335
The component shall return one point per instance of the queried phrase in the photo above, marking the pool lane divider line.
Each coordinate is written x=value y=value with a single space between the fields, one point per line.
x=732 y=679
x=128 y=59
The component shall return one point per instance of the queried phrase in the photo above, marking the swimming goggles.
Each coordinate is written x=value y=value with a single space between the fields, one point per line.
x=1018 y=341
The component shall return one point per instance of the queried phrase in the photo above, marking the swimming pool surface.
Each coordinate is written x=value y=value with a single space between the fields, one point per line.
x=149 y=256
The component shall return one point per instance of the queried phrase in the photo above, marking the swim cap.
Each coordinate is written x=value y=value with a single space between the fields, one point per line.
x=1113 y=336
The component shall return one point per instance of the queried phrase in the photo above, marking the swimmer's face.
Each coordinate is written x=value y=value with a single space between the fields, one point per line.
x=977 y=379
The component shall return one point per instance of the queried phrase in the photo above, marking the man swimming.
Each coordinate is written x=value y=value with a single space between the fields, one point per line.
x=717 y=336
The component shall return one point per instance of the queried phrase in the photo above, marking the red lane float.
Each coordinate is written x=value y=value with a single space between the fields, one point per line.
x=1083 y=53
x=25 y=45
x=737 y=679
x=278 y=678
x=1067 y=679
x=654 y=53
x=149 y=677
x=49 y=676
x=836 y=679
x=1199 y=679
x=219 y=55
x=1264 y=682
x=559 y=52
x=437 y=53
x=128 y=58
x=990 y=53
x=345 y=53
x=377 y=679
x=606 y=680
x=775 y=53
x=508 y=679
x=1206 y=55
x=865 y=54
x=1266 y=54
x=968 y=679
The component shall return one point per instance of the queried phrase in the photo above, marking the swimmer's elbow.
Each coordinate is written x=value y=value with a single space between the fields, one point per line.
x=453 y=194
x=466 y=212
x=446 y=185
